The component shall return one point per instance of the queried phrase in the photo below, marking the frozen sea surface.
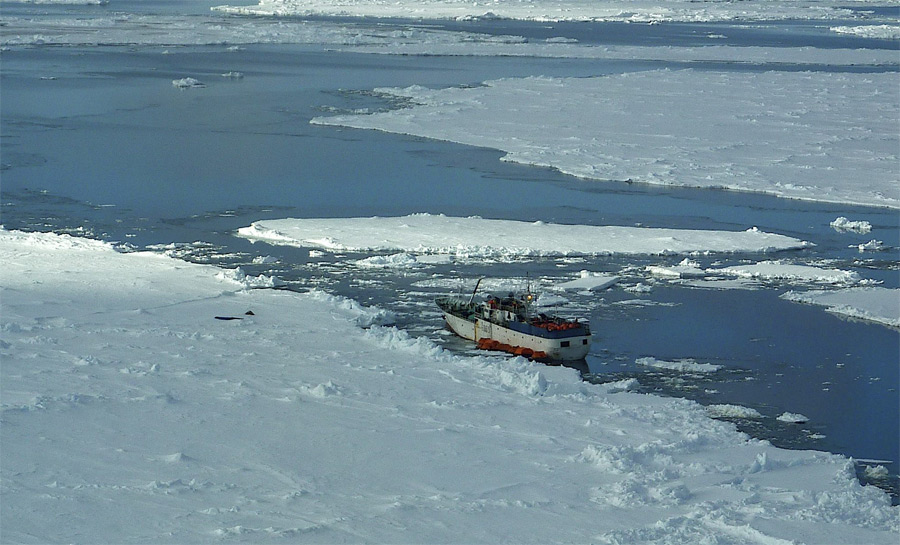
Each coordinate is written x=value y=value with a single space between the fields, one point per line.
x=98 y=142
x=130 y=413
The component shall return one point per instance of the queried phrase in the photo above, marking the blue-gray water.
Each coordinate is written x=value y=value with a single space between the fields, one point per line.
x=110 y=149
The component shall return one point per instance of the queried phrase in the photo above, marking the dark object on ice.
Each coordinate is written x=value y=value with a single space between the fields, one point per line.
x=248 y=313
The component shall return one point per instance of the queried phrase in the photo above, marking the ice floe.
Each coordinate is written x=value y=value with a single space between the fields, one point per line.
x=842 y=224
x=685 y=269
x=685 y=365
x=295 y=423
x=646 y=11
x=875 y=304
x=792 y=418
x=187 y=83
x=884 y=32
x=724 y=410
x=783 y=271
x=491 y=238
x=401 y=260
x=871 y=246
x=589 y=281
x=239 y=277
x=794 y=134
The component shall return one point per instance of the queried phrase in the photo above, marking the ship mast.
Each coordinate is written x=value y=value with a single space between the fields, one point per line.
x=472 y=298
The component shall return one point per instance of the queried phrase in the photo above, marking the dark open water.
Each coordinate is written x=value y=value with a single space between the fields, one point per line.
x=109 y=149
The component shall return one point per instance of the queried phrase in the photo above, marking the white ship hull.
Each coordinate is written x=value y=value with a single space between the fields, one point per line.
x=570 y=348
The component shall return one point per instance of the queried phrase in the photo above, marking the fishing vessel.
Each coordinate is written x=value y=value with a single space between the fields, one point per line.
x=509 y=324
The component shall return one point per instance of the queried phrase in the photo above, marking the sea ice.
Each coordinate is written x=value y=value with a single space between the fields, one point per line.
x=590 y=281
x=297 y=424
x=239 y=277
x=792 y=418
x=732 y=411
x=799 y=135
x=842 y=224
x=686 y=365
x=552 y=10
x=548 y=300
x=884 y=32
x=871 y=246
x=143 y=30
x=782 y=271
x=685 y=269
x=401 y=260
x=489 y=238
x=875 y=304
x=187 y=83
x=877 y=472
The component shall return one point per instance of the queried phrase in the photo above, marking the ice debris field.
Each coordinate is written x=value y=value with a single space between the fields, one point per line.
x=131 y=414
x=419 y=239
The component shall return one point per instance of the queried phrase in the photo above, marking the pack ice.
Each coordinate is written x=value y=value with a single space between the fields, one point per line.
x=131 y=414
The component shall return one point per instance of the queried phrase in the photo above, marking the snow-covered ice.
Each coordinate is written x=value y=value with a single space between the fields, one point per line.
x=187 y=83
x=685 y=365
x=589 y=281
x=146 y=30
x=724 y=410
x=871 y=246
x=875 y=304
x=684 y=269
x=783 y=271
x=877 y=472
x=130 y=414
x=555 y=10
x=842 y=224
x=480 y=237
x=792 y=418
x=885 y=32
x=393 y=261
x=799 y=135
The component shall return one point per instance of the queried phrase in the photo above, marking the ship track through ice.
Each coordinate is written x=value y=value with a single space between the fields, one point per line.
x=506 y=324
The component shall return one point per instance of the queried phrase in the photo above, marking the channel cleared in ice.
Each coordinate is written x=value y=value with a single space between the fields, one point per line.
x=490 y=238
